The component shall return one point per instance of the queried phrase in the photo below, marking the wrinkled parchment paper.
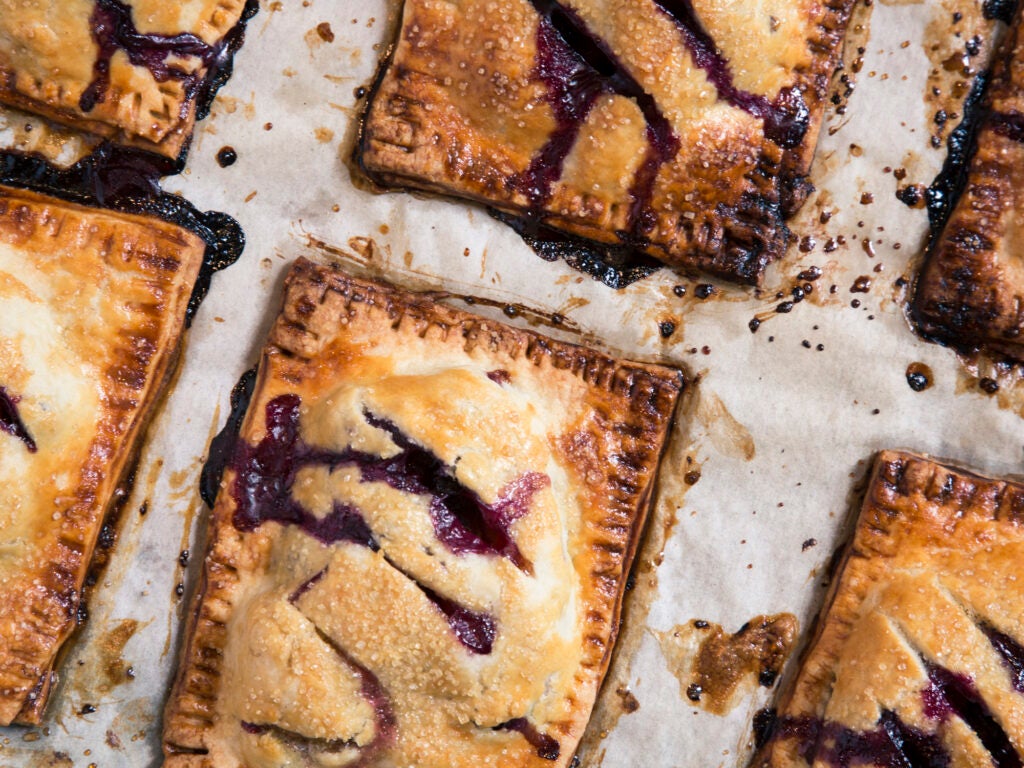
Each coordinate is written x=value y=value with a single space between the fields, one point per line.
x=780 y=424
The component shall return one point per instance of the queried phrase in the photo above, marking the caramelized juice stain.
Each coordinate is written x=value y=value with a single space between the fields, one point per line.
x=959 y=43
x=728 y=435
x=102 y=665
x=113 y=668
x=715 y=668
x=1000 y=380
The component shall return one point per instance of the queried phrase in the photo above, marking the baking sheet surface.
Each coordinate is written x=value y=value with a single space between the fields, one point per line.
x=780 y=425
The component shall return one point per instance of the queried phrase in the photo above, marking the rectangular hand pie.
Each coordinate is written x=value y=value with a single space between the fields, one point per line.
x=918 y=660
x=683 y=128
x=971 y=290
x=92 y=304
x=421 y=541
x=130 y=70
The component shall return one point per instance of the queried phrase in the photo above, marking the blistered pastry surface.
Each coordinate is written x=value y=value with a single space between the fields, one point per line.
x=91 y=305
x=915 y=655
x=568 y=438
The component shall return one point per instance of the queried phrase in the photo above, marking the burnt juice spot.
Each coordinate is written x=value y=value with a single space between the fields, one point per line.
x=113 y=29
x=919 y=376
x=953 y=694
x=946 y=187
x=785 y=118
x=226 y=156
x=764 y=726
x=999 y=9
x=547 y=747
x=10 y=420
x=128 y=180
x=223 y=444
x=1010 y=651
x=462 y=521
x=617 y=266
x=577 y=67
x=476 y=631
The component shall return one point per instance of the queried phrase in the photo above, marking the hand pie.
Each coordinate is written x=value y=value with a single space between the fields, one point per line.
x=92 y=304
x=971 y=290
x=918 y=660
x=129 y=70
x=683 y=128
x=420 y=546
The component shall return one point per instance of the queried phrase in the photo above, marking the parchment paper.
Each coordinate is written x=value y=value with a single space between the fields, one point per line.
x=781 y=432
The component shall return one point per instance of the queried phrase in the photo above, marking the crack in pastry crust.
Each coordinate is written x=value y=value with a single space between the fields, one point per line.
x=500 y=480
x=92 y=305
x=133 y=72
x=667 y=125
x=971 y=290
x=916 y=659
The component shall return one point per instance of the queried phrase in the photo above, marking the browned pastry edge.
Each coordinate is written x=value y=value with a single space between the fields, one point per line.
x=902 y=488
x=165 y=254
x=962 y=296
x=639 y=399
x=738 y=239
x=167 y=134
x=169 y=145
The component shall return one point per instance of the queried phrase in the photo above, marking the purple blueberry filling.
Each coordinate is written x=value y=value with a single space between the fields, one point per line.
x=114 y=30
x=370 y=689
x=10 y=420
x=266 y=473
x=476 y=631
x=1010 y=651
x=577 y=67
x=894 y=743
x=547 y=747
x=951 y=694
x=785 y=119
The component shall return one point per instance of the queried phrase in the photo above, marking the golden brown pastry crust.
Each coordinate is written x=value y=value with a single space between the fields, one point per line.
x=924 y=586
x=506 y=401
x=48 y=51
x=92 y=304
x=464 y=106
x=971 y=290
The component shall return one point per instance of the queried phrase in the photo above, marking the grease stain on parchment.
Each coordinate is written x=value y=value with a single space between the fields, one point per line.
x=716 y=669
x=725 y=432
x=110 y=667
